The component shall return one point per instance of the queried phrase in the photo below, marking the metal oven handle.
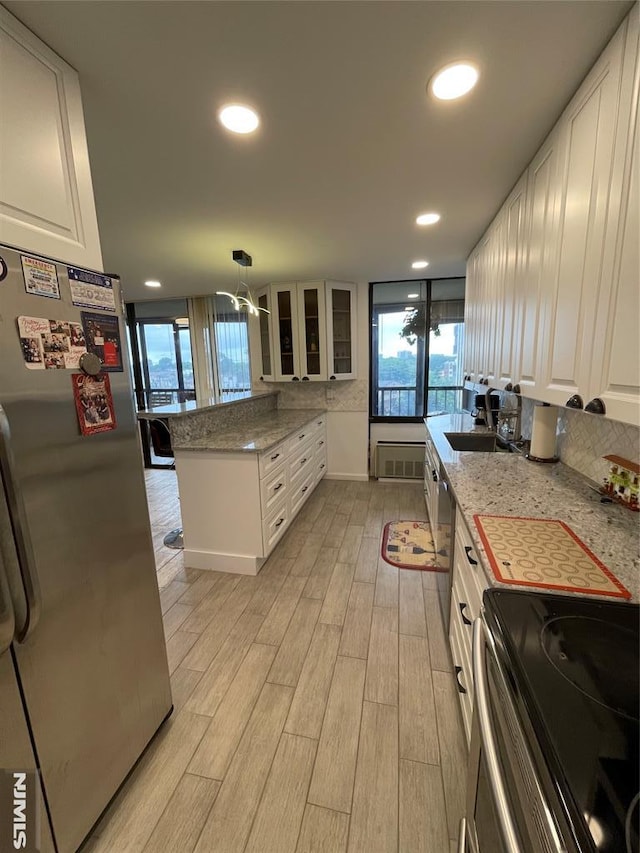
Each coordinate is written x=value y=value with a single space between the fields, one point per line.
x=489 y=747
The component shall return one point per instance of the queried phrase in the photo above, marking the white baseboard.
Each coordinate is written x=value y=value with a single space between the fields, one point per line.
x=233 y=563
x=361 y=478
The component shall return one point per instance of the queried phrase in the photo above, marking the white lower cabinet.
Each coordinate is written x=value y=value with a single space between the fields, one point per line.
x=237 y=506
x=468 y=584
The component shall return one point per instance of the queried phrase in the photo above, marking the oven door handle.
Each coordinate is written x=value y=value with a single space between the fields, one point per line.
x=500 y=798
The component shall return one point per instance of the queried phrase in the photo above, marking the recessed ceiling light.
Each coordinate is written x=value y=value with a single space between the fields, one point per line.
x=454 y=81
x=420 y=265
x=153 y=284
x=413 y=295
x=428 y=218
x=239 y=119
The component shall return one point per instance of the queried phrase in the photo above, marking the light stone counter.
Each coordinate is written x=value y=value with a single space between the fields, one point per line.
x=257 y=433
x=508 y=484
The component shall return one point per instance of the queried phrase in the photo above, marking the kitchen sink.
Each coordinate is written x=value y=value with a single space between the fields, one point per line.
x=482 y=442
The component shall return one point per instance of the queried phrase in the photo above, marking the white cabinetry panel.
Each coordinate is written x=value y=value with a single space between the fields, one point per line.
x=540 y=249
x=615 y=374
x=46 y=194
x=311 y=332
x=507 y=330
x=553 y=293
x=586 y=144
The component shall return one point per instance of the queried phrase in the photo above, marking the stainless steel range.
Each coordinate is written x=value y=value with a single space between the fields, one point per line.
x=554 y=751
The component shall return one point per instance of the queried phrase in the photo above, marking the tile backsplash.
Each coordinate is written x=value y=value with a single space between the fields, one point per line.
x=584 y=439
x=345 y=395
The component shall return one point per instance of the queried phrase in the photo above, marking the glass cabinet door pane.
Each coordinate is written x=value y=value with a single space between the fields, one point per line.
x=285 y=332
x=265 y=344
x=312 y=339
x=341 y=316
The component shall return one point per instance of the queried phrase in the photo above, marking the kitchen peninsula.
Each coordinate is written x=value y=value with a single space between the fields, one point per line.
x=245 y=469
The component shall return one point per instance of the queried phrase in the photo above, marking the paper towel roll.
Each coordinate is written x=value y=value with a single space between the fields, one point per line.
x=543 y=434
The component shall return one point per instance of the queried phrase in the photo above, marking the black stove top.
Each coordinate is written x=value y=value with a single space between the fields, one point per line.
x=575 y=663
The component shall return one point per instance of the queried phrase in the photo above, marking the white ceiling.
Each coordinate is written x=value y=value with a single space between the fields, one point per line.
x=350 y=149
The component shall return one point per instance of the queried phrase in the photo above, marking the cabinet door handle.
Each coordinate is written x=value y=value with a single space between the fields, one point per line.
x=301 y=436
x=461 y=689
x=305 y=378
x=332 y=377
x=462 y=606
x=278 y=523
x=279 y=486
x=319 y=423
x=322 y=466
x=435 y=476
x=295 y=379
x=320 y=443
x=304 y=490
x=273 y=458
x=468 y=549
x=302 y=461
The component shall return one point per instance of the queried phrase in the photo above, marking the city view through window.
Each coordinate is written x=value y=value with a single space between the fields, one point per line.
x=402 y=354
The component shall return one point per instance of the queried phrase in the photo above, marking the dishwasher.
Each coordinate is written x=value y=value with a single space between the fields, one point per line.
x=443 y=537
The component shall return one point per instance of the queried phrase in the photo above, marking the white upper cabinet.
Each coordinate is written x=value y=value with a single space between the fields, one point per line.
x=263 y=342
x=313 y=328
x=553 y=295
x=615 y=362
x=46 y=194
x=341 y=330
x=508 y=318
x=540 y=249
x=586 y=145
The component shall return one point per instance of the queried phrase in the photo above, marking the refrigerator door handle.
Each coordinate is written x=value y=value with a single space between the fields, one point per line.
x=7 y=618
x=18 y=519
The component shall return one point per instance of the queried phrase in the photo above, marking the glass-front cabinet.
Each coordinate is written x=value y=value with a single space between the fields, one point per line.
x=313 y=331
x=341 y=331
x=263 y=300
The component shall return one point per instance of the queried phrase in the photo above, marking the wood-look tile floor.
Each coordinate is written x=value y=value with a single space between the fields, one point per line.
x=315 y=708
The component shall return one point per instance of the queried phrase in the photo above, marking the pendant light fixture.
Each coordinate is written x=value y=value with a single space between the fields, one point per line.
x=246 y=301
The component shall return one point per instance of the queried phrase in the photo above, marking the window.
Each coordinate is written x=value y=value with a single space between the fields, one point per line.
x=231 y=347
x=417 y=336
x=167 y=365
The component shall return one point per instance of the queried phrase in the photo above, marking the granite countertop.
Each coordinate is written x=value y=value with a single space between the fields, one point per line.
x=509 y=484
x=255 y=435
x=175 y=410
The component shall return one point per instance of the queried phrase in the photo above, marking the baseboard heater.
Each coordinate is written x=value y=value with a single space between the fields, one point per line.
x=399 y=460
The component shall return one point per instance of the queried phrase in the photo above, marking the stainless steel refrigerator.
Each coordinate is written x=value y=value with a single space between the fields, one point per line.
x=84 y=681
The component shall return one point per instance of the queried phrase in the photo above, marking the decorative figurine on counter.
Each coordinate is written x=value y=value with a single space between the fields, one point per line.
x=622 y=484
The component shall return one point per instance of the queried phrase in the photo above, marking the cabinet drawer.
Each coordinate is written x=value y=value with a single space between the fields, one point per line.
x=270 y=459
x=300 y=438
x=320 y=465
x=474 y=577
x=464 y=608
x=272 y=488
x=318 y=424
x=300 y=492
x=274 y=526
x=462 y=674
x=320 y=441
x=301 y=462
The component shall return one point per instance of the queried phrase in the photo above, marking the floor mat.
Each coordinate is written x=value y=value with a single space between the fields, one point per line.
x=409 y=545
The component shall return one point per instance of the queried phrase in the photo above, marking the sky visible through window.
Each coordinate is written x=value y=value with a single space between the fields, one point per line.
x=390 y=342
